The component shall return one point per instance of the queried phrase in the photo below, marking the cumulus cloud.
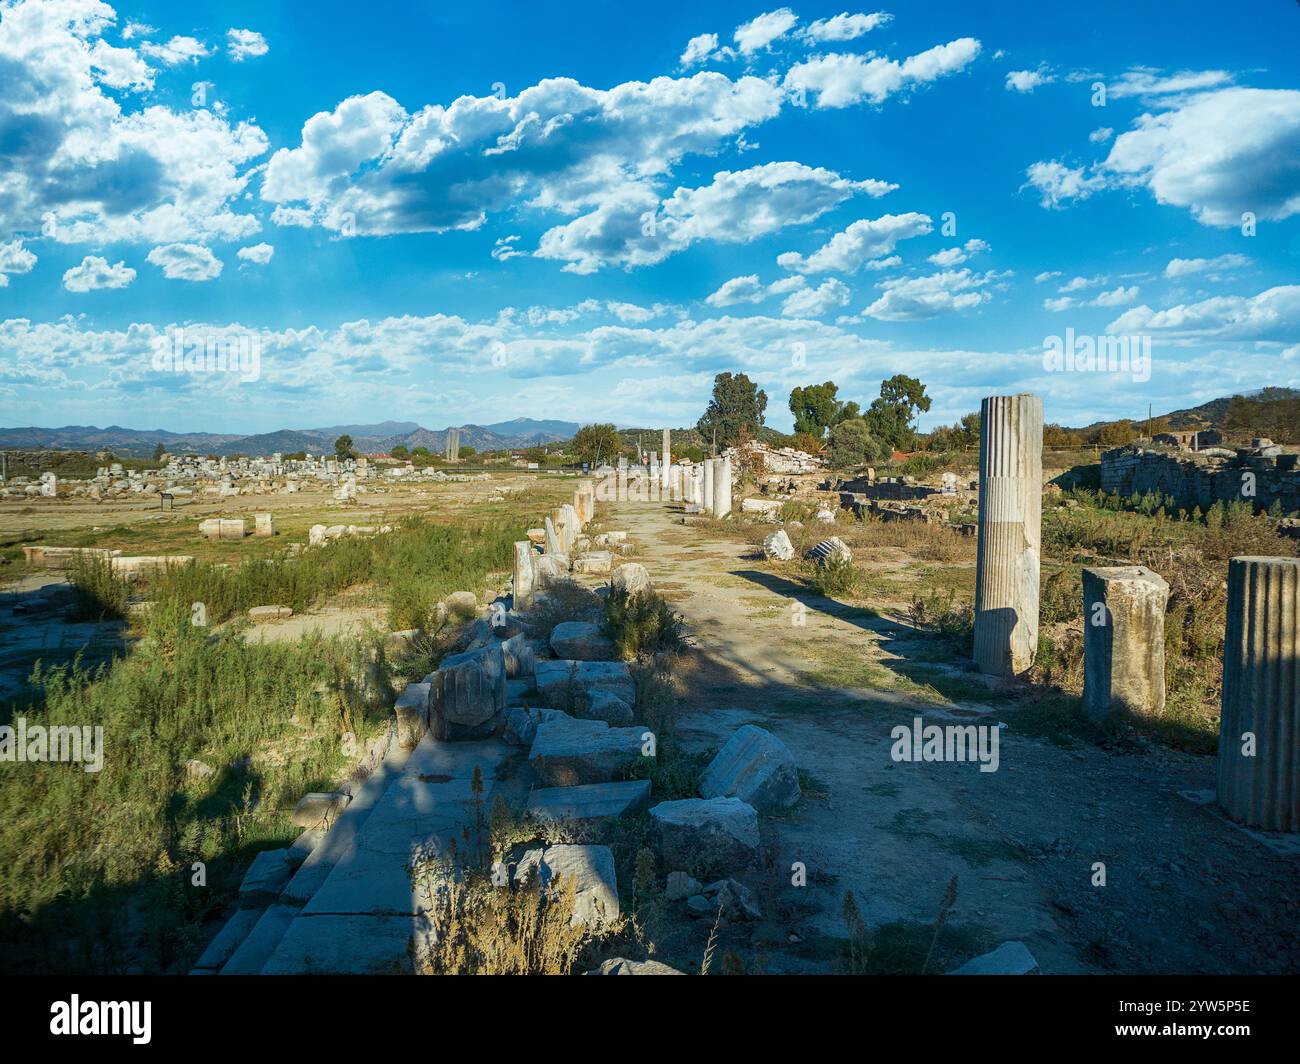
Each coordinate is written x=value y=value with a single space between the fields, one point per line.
x=815 y=302
x=1029 y=80
x=917 y=298
x=95 y=272
x=1046 y=275
x=186 y=262
x=1075 y=284
x=1186 y=267
x=1100 y=135
x=370 y=167
x=1057 y=183
x=245 y=44
x=759 y=33
x=1272 y=315
x=176 y=51
x=747 y=289
x=86 y=161
x=699 y=50
x=634 y=228
x=1150 y=81
x=842 y=79
x=257 y=254
x=843 y=27
x=1116 y=297
x=862 y=241
x=949 y=257
x=14 y=258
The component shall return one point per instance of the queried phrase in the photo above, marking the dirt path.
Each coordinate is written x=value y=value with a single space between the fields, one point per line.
x=1185 y=892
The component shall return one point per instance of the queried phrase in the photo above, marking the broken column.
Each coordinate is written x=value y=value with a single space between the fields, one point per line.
x=523 y=575
x=722 y=488
x=1258 y=780
x=1123 y=640
x=553 y=545
x=1010 y=516
x=707 y=501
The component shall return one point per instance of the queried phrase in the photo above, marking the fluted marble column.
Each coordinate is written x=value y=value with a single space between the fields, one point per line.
x=707 y=502
x=1010 y=519
x=668 y=463
x=523 y=575
x=722 y=488
x=1259 y=723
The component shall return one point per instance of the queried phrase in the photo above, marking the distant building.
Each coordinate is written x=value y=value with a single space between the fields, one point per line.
x=1190 y=440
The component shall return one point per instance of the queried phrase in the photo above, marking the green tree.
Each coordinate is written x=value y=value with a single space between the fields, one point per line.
x=399 y=451
x=596 y=443
x=738 y=404
x=815 y=408
x=890 y=417
x=535 y=454
x=343 y=447
x=420 y=452
x=852 y=444
x=467 y=452
x=158 y=452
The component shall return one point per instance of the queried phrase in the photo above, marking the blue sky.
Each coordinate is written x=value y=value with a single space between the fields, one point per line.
x=472 y=213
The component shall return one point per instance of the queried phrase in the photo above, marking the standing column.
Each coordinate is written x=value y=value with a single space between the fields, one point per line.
x=523 y=585
x=1010 y=518
x=622 y=481
x=1259 y=723
x=722 y=488
x=668 y=463
x=1123 y=640
x=707 y=502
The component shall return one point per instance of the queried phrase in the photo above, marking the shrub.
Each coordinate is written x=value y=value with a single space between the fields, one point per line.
x=835 y=578
x=642 y=625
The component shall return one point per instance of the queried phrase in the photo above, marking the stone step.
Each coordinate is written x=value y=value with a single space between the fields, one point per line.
x=589 y=801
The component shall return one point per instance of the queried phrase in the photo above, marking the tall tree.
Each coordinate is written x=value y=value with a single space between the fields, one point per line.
x=738 y=403
x=597 y=443
x=343 y=446
x=814 y=408
x=890 y=417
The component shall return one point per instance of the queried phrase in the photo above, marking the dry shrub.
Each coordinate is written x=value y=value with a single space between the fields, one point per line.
x=480 y=928
x=563 y=600
x=642 y=625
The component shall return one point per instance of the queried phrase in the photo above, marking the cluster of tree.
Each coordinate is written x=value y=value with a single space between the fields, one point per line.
x=851 y=435
x=1273 y=412
x=735 y=413
x=595 y=444
x=343 y=447
x=963 y=436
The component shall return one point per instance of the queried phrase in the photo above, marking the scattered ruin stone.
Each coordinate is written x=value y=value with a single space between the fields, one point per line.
x=591 y=867
x=197 y=770
x=1257 y=777
x=319 y=808
x=469 y=689
x=827 y=549
x=631 y=578
x=264 y=525
x=591 y=801
x=316 y=535
x=525 y=577
x=412 y=712
x=521 y=723
x=756 y=767
x=766 y=507
x=567 y=752
x=561 y=683
x=463 y=604
x=608 y=706
x=581 y=641
x=265 y=878
x=825 y=515
x=623 y=966
x=703 y=835
x=734 y=898
x=1010 y=520
x=680 y=886
x=593 y=563
x=520 y=655
x=1010 y=958
x=1123 y=640
x=777 y=546
x=401 y=642
x=270 y=613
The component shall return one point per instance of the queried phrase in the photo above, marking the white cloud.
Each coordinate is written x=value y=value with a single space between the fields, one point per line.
x=1100 y=135
x=1148 y=81
x=1272 y=315
x=258 y=254
x=862 y=241
x=176 y=51
x=1218 y=154
x=245 y=44
x=14 y=258
x=1046 y=275
x=94 y=164
x=759 y=33
x=949 y=257
x=634 y=228
x=841 y=80
x=1057 y=183
x=699 y=50
x=1116 y=297
x=1029 y=80
x=1076 y=284
x=1186 y=267
x=556 y=146
x=504 y=249
x=137 y=29
x=843 y=27
x=745 y=289
x=815 y=302
x=917 y=298
x=186 y=262
x=1057 y=305
x=95 y=272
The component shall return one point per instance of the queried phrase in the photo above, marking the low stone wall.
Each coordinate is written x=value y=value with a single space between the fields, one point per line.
x=1203 y=481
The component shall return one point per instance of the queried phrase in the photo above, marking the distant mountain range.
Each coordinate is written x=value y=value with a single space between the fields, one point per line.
x=367 y=439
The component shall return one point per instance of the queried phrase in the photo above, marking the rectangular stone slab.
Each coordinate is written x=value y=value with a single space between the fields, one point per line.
x=589 y=801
